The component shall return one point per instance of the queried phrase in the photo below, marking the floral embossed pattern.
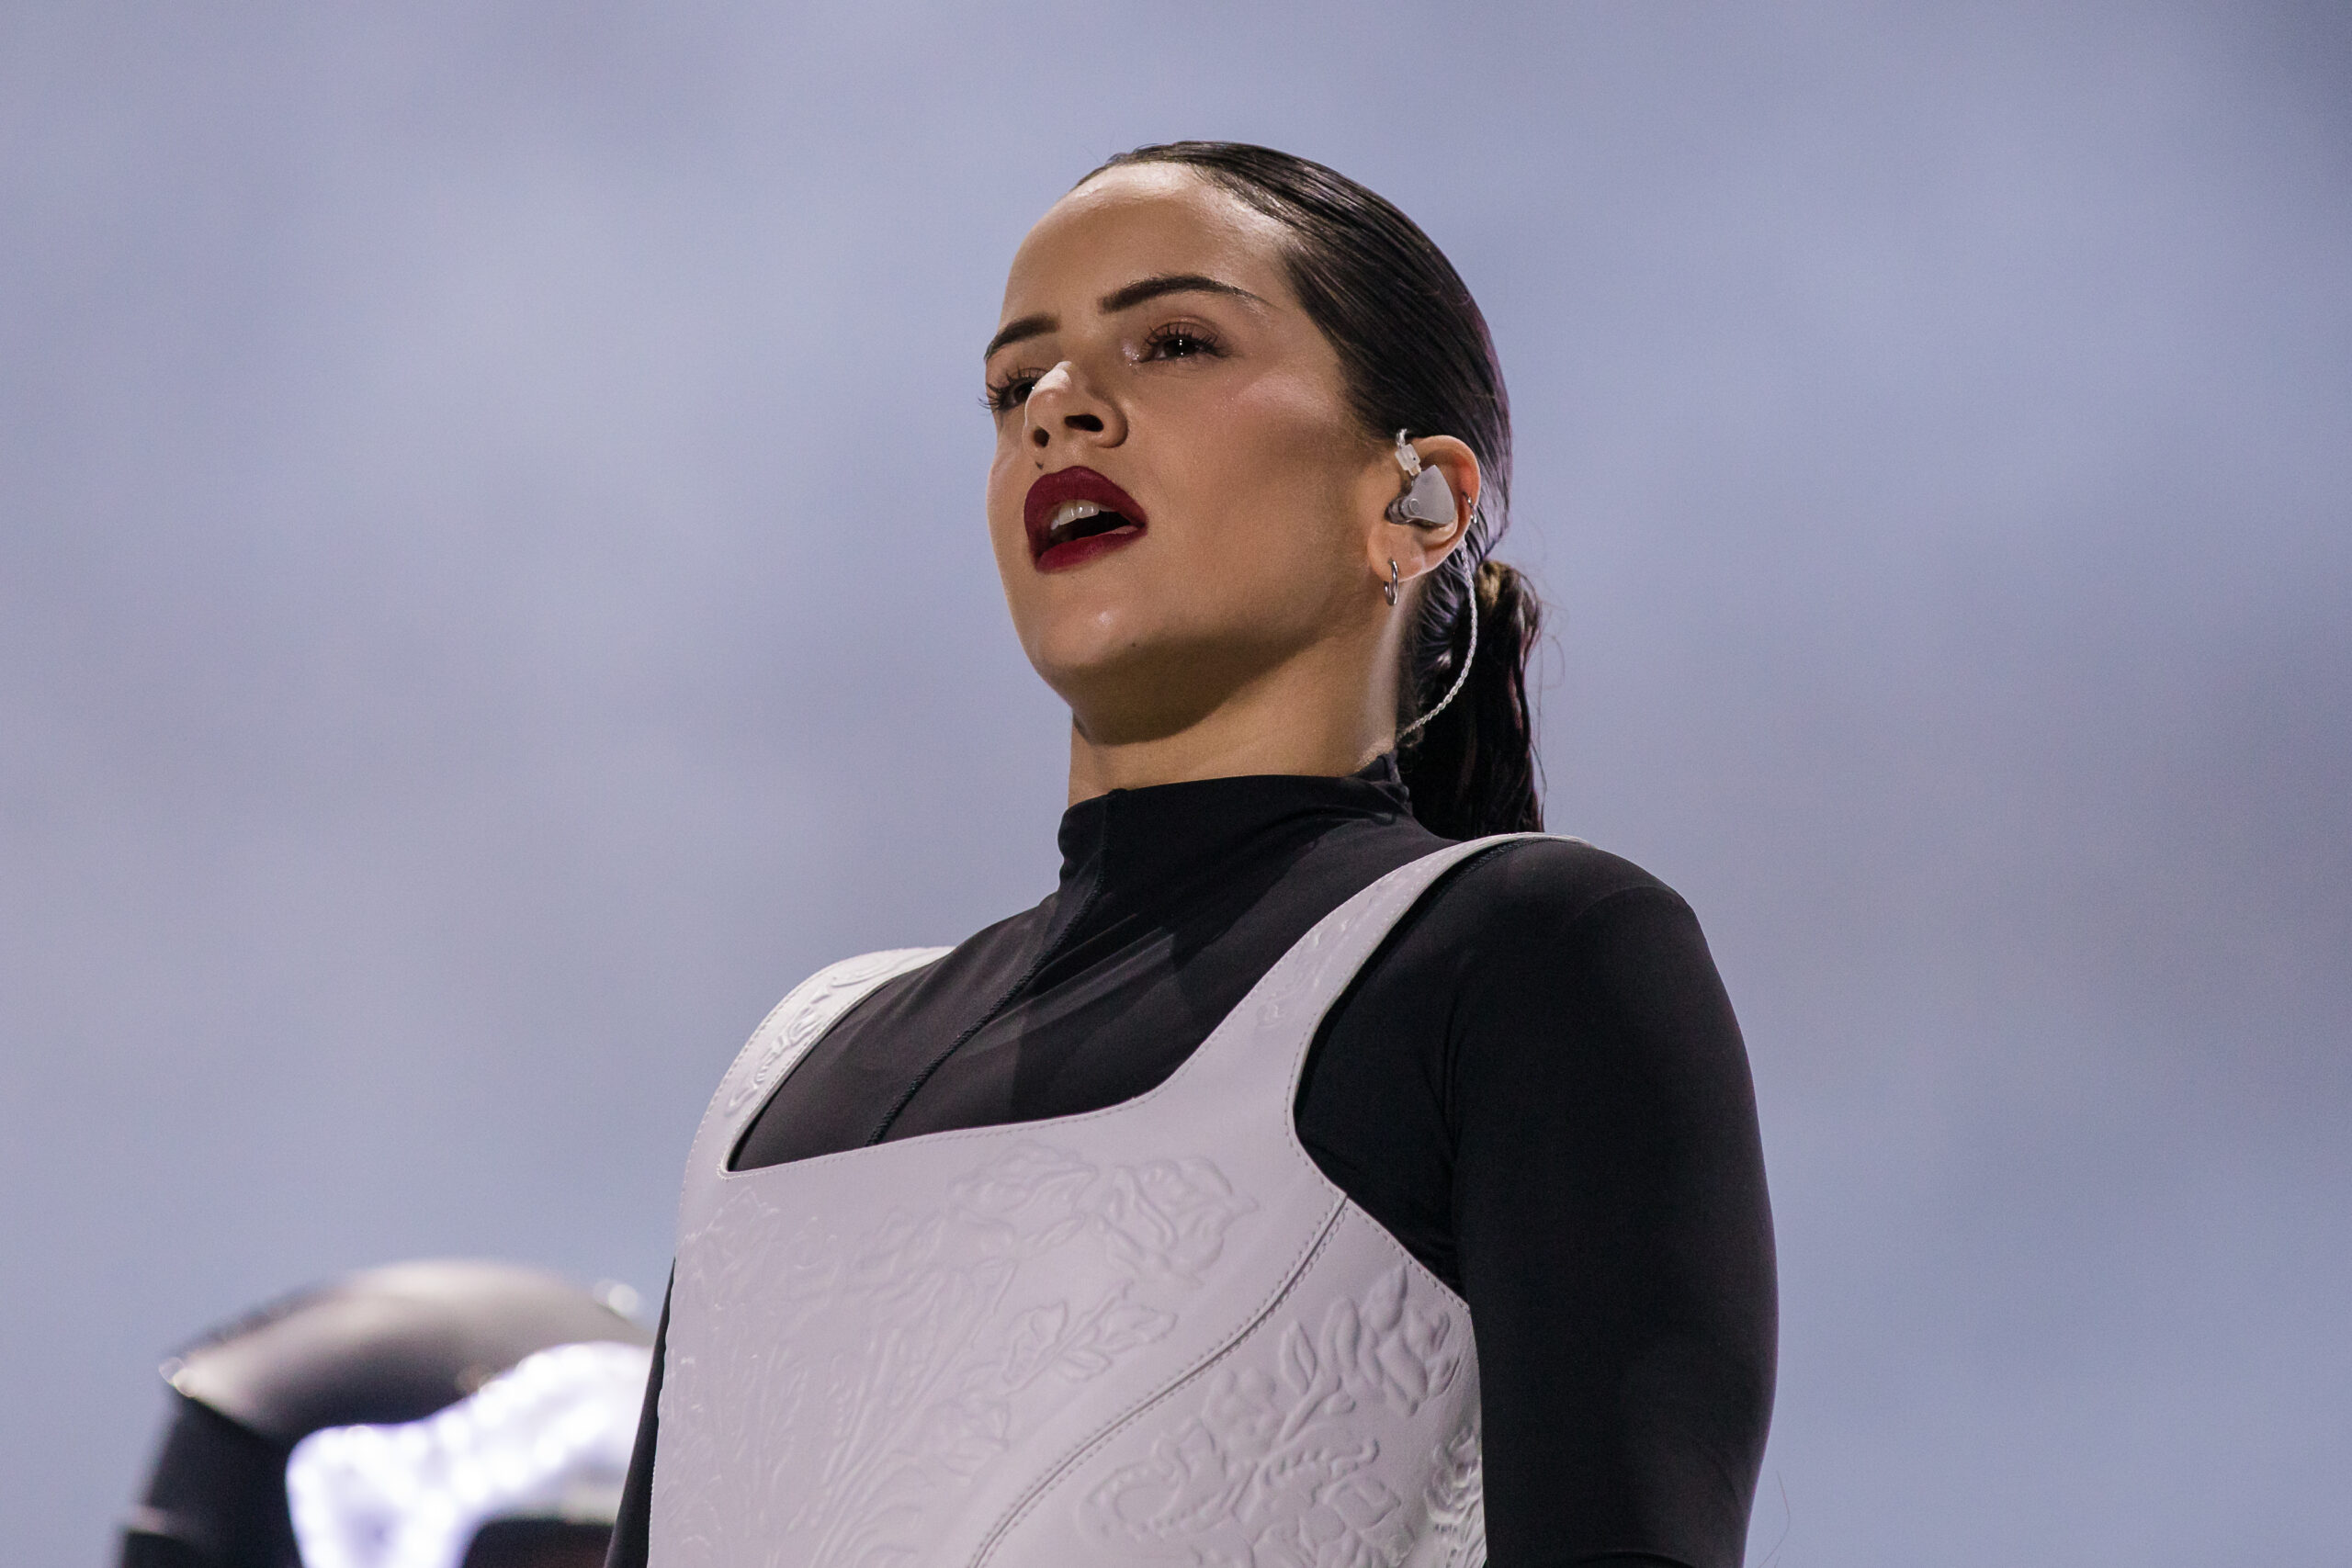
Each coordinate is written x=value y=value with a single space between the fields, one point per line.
x=1276 y=1468
x=850 y=1399
x=894 y=1361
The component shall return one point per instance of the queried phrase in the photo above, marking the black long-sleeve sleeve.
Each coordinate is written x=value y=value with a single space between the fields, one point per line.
x=632 y=1526
x=1540 y=1088
x=1537 y=1085
x=1614 y=1234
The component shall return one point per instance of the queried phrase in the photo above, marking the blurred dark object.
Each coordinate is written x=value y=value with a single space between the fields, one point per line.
x=389 y=1347
x=538 y=1543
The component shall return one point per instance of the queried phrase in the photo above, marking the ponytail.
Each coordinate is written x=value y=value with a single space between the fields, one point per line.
x=1472 y=769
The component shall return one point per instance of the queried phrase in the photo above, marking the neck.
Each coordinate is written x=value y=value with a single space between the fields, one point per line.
x=1317 y=715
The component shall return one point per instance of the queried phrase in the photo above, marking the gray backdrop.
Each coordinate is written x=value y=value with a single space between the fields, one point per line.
x=492 y=591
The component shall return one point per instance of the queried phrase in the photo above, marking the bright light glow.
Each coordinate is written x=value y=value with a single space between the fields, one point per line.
x=549 y=1438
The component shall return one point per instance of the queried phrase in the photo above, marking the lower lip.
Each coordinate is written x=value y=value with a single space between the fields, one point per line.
x=1072 y=553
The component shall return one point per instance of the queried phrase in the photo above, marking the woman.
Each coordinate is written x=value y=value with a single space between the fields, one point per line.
x=1299 y=1183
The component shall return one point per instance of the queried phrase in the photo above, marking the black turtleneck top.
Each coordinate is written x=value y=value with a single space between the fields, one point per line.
x=1536 y=1084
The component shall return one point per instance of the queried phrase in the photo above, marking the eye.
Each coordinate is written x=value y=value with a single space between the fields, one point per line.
x=1180 y=340
x=1003 y=396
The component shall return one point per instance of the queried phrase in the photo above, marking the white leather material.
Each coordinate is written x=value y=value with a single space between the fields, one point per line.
x=1151 y=1333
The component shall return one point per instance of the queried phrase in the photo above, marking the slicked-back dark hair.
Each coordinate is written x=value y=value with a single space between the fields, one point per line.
x=1416 y=355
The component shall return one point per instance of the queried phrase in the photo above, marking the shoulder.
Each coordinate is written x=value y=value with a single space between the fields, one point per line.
x=823 y=997
x=1557 y=960
x=865 y=970
x=1559 y=919
x=812 y=1007
x=1546 y=886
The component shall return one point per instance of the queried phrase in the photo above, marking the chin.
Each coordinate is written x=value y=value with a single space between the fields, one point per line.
x=1079 y=654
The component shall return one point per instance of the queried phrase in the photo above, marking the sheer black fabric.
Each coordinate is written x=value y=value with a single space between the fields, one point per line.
x=1537 y=1085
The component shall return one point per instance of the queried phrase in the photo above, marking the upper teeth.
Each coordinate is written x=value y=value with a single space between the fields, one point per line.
x=1071 y=512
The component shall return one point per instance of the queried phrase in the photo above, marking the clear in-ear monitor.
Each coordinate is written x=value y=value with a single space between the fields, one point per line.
x=1428 y=501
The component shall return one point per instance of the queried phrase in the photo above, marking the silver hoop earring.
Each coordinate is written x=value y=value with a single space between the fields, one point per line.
x=1390 y=588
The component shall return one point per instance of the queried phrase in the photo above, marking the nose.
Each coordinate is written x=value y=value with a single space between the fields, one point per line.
x=1062 y=406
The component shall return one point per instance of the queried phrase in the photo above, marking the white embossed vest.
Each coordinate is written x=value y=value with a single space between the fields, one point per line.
x=1150 y=1334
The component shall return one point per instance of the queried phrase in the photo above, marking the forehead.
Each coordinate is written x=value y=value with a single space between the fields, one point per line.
x=1143 y=221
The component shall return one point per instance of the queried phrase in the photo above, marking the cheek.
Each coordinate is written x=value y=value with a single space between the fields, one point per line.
x=1038 y=615
x=1007 y=479
x=1269 y=476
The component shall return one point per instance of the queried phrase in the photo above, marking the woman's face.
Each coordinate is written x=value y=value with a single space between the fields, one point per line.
x=1182 y=501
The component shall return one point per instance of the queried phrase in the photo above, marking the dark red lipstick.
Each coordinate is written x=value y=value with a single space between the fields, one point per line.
x=1116 y=520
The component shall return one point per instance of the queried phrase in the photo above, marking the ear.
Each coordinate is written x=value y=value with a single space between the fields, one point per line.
x=1417 y=547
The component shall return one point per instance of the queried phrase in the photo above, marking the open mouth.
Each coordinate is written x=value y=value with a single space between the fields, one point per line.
x=1074 y=515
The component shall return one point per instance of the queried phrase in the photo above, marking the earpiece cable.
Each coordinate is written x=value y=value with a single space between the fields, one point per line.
x=1468 y=655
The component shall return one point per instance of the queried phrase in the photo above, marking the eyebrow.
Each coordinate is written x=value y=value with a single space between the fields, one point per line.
x=1125 y=297
x=1014 y=331
x=1135 y=293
